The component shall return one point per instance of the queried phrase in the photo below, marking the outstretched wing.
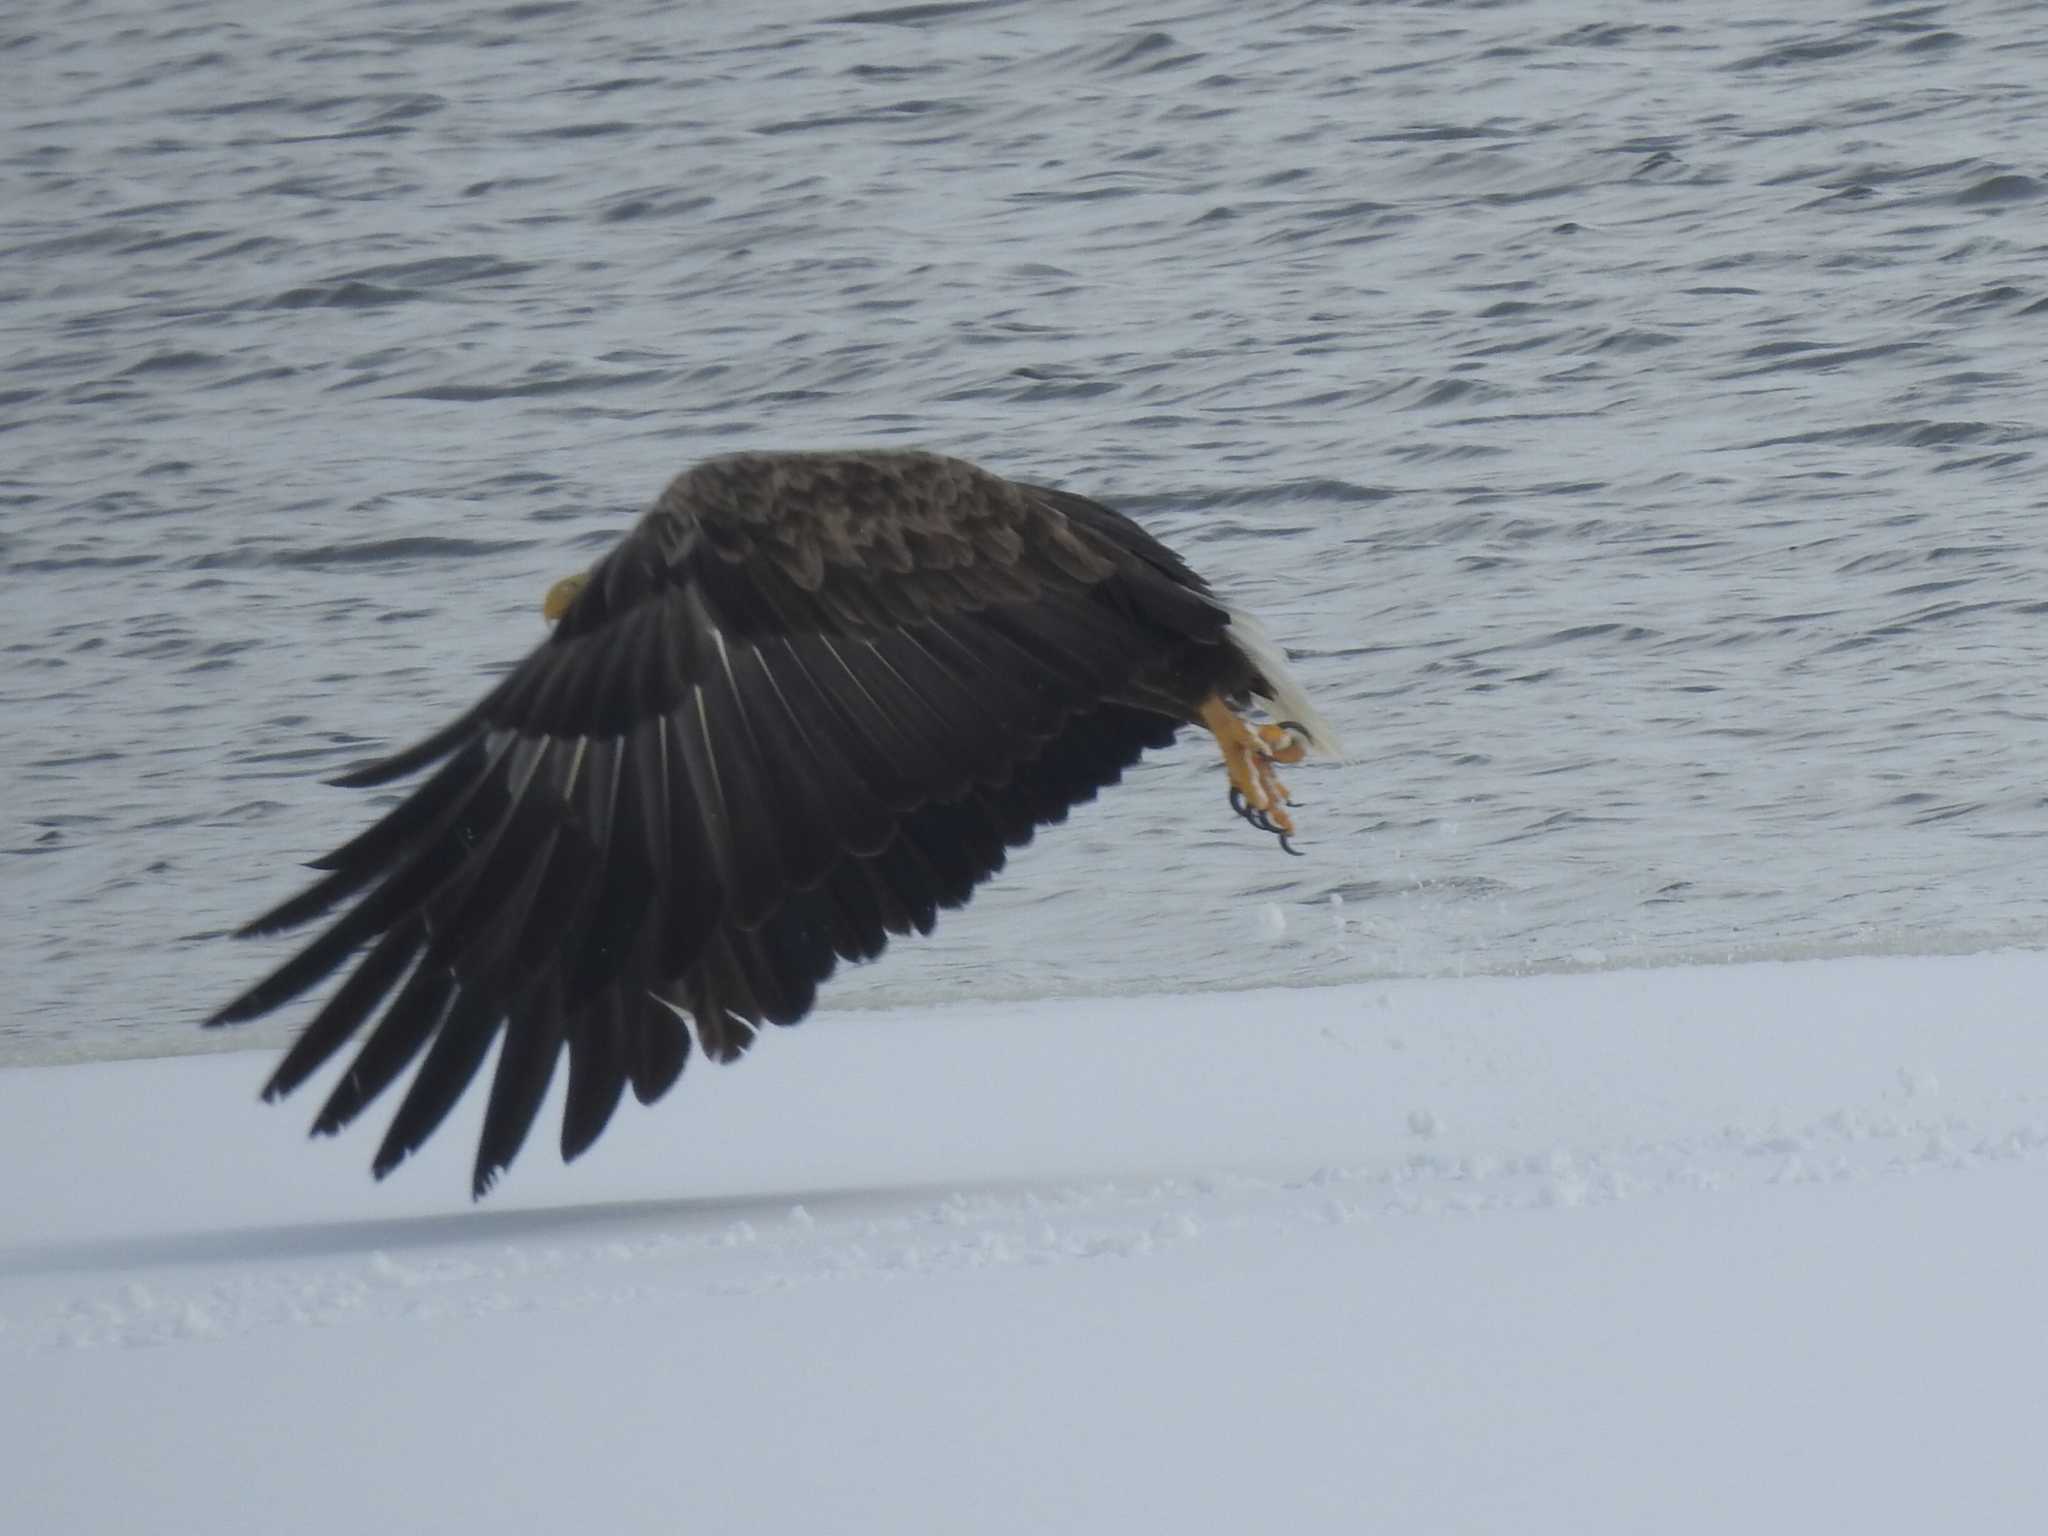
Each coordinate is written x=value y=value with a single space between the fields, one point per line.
x=808 y=702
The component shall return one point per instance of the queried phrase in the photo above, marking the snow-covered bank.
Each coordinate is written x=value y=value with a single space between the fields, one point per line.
x=1745 y=1248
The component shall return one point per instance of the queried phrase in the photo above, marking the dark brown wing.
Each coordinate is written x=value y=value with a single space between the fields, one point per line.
x=810 y=700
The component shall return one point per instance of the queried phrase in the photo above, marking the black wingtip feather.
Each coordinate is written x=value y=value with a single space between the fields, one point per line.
x=661 y=1050
x=526 y=1065
x=597 y=1076
x=415 y=757
x=315 y=899
x=344 y=1013
x=405 y=1027
x=384 y=839
x=458 y=1051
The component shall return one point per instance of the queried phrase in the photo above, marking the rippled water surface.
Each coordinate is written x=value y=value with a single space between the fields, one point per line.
x=1634 y=428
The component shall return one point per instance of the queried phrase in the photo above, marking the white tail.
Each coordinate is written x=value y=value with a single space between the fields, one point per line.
x=1287 y=701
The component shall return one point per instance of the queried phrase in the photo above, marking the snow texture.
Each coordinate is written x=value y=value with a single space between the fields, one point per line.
x=1736 y=1249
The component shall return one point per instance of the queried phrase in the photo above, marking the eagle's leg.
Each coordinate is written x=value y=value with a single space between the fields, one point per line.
x=1249 y=753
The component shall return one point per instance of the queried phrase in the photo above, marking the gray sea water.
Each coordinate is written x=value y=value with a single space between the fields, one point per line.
x=1631 y=416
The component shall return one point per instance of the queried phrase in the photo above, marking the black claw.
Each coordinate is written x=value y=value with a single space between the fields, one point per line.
x=1292 y=725
x=1262 y=820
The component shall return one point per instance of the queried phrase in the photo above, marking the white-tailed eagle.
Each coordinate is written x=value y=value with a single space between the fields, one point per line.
x=810 y=700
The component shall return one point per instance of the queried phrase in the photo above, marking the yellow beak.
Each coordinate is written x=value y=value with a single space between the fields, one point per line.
x=561 y=595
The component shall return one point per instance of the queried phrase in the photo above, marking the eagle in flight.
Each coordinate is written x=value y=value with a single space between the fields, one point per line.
x=807 y=702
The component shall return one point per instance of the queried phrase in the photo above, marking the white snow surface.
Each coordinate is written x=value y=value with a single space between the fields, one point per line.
x=1750 y=1248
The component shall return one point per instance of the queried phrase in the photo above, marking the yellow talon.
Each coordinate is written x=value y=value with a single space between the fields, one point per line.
x=1281 y=744
x=1276 y=813
x=1249 y=756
